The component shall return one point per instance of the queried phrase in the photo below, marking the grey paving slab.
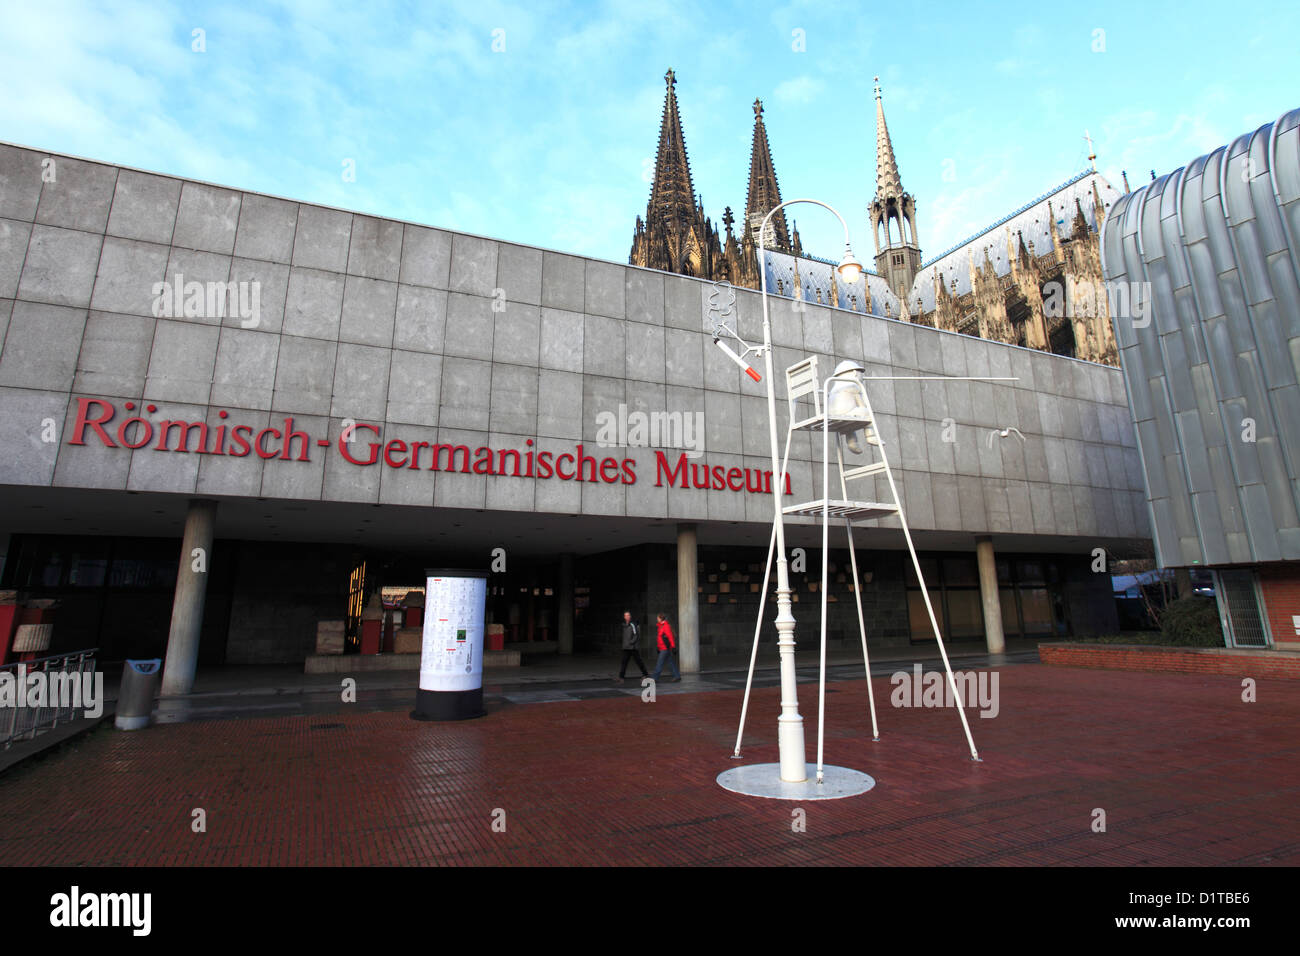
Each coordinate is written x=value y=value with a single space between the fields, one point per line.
x=32 y=418
x=181 y=363
x=684 y=304
x=473 y=266
x=321 y=239
x=131 y=278
x=20 y=182
x=414 y=388
x=266 y=229
x=60 y=266
x=421 y=318
x=304 y=479
x=304 y=376
x=207 y=218
x=369 y=310
x=463 y=384
x=314 y=304
x=426 y=257
x=644 y=296
x=519 y=274
x=413 y=482
x=264 y=286
x=604 y=346
x=114 y=354
x=176 y=470
x=92 y=464
x=559 y=403
x=41 y=345
x=345 y=481
x=235 y=474
x=79 y=196
x=563 y=282
x=360 y=390
x=375 y=251
x=513 y=399
x=605 y=289
x=144 y=207
x=14 y=235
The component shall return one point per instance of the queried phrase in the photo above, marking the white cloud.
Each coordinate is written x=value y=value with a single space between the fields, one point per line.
x=801 y=89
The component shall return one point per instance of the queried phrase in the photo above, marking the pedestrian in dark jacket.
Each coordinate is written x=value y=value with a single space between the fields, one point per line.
x=667 y=644
x=631 y=648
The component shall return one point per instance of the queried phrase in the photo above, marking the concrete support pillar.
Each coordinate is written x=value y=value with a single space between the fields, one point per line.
x=564 y=605
x=191 y=590
x=531 y=628
x=1183 y=582
x=993 y=635
x=688 y=600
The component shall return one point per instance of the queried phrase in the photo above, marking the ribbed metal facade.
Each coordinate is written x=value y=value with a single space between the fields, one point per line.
x=1211 y=351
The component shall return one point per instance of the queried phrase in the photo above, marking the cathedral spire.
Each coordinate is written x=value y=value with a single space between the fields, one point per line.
x=764 y=193
x=893 y=215
x=676 y=235
x=888 y=182
x=672 y=196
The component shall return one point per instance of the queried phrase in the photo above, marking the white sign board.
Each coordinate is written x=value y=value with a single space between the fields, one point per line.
x=452 y=654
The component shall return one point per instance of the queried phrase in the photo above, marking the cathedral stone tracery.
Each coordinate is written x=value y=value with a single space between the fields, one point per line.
x=995 y=285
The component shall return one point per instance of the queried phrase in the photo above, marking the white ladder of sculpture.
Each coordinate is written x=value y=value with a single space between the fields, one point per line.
x=802 y=384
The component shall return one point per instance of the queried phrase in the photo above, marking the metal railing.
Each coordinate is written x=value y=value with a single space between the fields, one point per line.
x=25 y=721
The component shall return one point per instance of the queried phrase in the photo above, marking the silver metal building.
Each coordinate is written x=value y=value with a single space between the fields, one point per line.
x=1203 y=272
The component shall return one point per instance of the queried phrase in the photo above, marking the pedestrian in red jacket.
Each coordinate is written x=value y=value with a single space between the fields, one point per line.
x=667 y=644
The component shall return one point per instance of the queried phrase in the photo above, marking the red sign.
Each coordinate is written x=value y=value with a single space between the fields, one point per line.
x=363 y=444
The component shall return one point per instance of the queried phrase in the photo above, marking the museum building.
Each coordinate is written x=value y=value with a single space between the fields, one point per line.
x=1213 y=370
x=226 y=417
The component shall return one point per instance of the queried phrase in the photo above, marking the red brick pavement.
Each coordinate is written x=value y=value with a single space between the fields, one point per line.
x=1187 y=773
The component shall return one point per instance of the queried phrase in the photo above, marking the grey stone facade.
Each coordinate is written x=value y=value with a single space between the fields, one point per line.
x=441 y=337
x=417 y=341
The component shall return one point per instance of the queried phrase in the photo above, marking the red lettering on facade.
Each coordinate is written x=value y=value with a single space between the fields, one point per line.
x=661 y=469
x=165 y=432
x=289 y=436
x=137 y=431
x=351 y=431
x=261 y=446
x=396 y=445
x=96 y=424
x=240 y=442
x=451 y=457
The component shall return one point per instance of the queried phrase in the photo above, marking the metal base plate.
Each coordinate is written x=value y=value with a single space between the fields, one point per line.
x=764 y=780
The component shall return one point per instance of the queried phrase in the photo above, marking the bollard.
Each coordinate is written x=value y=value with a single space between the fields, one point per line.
x=135 y=698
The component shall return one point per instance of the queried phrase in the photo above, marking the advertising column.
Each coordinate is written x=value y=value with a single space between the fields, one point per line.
x=451 y=660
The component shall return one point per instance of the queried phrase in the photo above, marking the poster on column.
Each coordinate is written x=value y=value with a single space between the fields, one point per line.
x=452 y=657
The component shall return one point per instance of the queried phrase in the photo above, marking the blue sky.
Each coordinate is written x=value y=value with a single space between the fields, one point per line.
x=546 y=141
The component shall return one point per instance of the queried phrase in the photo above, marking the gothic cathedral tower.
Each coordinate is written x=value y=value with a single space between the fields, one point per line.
x=894 y=212
x=675 y=236
x=764 y=193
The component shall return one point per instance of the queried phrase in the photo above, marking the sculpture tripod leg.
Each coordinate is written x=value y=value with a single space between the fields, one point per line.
x=925 y=593
x=857 y=594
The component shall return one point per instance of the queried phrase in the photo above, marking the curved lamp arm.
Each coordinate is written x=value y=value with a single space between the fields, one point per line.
x=850 y=269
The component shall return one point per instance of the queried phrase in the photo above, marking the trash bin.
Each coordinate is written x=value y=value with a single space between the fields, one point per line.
x=135 y=699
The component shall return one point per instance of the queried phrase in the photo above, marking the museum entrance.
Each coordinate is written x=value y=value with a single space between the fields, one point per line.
x=389 y=588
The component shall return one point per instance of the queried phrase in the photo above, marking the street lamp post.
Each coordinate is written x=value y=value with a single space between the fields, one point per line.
x=790 y=737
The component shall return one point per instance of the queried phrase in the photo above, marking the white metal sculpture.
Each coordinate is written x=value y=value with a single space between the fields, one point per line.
x=841 y=405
